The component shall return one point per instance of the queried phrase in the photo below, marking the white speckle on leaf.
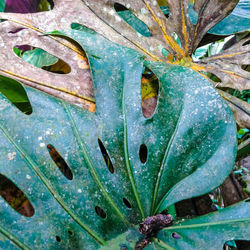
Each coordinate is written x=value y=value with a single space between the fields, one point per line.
x=40 y=138
x=117 y=18
x=112 y=12
x=143 y=11
x=28 y=177
x=11 y=156
x=160 y=47
x=42 y=144
x=79 y=190
x=4 y=104
x=48 y=132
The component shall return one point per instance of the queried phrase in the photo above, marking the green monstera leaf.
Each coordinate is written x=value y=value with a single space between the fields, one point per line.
x=88 y=177
x=71 y=178
x=15 y=92
x=39 y=58
x=216 y=228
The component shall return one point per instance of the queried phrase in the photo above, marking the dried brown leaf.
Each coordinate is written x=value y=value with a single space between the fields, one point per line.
x=75 y=87
x=101 y=16
x=228 y=66
x=240 y=109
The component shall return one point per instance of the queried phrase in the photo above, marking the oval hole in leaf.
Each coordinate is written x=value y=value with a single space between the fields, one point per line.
x=246 y=67
x=45 y=5
x=60 y=162
x=176 y=236
x=124 y=247
x=70 y=232
x=246 y=43
x=15 y=197
x=176 y=38
x=127 y=203
x=106 y=156
x=213 y=77
x=14 y=91
x=143 y=153
x=16 y=30
x=58 y=239
x=100 y=212
x=132 y=20
x=41 y=59
x=243 y=244
x=165 y=10
x=149 y=92
x=165 y=52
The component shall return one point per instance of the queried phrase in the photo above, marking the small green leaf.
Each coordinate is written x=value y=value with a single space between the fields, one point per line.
x=15 y=92
x=39 y=58
x=210 y=231
x=2 y=5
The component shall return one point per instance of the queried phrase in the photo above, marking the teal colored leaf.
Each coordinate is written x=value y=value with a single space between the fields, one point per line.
x=210 y=231
x=190 y=141
x=39 y=58
x=2 y=5
x=15 y=92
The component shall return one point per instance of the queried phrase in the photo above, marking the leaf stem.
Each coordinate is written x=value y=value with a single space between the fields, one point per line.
x=207 y=224
x=162 y=167
x=129 y=169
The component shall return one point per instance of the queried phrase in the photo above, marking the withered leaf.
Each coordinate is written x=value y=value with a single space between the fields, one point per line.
x=240 y=109
x=228 y=66
x=101 y=16
x=75 y=87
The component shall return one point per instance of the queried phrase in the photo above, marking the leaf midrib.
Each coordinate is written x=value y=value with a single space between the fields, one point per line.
x=206 y=224
x=128 y=166
x=13 y=239
x=162 y=167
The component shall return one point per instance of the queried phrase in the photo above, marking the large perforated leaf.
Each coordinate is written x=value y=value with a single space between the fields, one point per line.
x=105 y=17
x=190 y=144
